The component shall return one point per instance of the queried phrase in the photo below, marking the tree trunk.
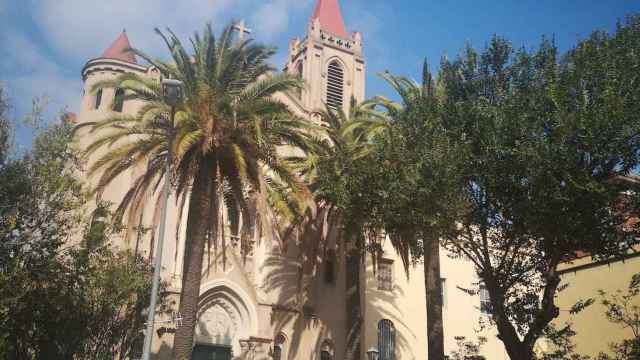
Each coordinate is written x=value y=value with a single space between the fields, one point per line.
x=515 y=348
x=433 y=289
x=519 y=351
x=198 y=223
x=523 y=349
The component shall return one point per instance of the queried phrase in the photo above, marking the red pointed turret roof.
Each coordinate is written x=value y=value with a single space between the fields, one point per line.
x=328 y=11
x=118 y=49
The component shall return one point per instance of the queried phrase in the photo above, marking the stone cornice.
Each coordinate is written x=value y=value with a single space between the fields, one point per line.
x=102 y=64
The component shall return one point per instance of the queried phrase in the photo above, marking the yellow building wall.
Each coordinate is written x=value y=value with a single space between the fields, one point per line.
x=594 y=331
x=461 y=311
x=405 y=306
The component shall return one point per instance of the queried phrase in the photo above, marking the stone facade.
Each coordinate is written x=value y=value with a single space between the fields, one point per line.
x=251 y=308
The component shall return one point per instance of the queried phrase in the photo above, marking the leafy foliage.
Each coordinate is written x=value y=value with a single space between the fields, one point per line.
x=5 y=127
x=404 y=184
x=59 y=301
x=467 y=349
x=548 y=145
x=515 y=160
x=622 y=309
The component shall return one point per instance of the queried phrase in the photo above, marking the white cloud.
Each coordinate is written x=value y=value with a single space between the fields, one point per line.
x=272 y=17
x=80 y=28
x=83 y=29
x=30 y=72
x=70 y=32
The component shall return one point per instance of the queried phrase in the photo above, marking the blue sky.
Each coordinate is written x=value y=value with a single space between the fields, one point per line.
x=44 y=43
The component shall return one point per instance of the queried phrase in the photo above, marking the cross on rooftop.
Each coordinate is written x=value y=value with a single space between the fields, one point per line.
x=242 y=29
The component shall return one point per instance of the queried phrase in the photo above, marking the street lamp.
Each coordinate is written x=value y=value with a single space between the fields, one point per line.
x=172 y=93
x=372 y=353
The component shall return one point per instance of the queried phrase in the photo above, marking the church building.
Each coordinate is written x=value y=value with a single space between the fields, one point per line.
x=251 y=309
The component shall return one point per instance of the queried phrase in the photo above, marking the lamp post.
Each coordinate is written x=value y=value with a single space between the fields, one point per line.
x=372 y=353
x=172 y=92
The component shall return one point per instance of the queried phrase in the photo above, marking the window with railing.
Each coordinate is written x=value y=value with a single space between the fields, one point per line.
x=385 y=274
x=386 y=340
x=485 y=300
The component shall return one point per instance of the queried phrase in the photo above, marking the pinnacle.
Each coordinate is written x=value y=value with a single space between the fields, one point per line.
x=328 y=12
x=119 y=49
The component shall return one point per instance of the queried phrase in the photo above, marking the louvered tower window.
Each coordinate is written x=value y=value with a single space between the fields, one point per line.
x=386 y=340
x=335 y=84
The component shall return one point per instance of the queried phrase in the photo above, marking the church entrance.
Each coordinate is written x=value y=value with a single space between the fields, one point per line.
x=211 y=352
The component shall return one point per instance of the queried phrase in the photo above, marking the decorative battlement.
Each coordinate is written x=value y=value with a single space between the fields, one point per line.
x=333 y=40
x=351 y=44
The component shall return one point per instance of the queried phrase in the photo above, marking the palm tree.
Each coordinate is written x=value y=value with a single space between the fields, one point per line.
x=344 y=139
x=224 y=142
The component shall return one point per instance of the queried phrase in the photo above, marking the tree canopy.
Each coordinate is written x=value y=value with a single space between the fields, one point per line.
x=515 y=160
x=59 y=301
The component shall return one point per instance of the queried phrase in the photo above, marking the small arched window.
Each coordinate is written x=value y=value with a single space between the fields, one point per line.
x=326 y=351
x=98 y=99
x=329 y=267
x=386 y=340
x=118 y=100
x=335 y=85
x=299 y=71
x=278 y=347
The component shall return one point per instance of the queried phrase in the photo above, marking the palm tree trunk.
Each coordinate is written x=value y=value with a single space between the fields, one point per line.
x=198 y=223
x=433 y=289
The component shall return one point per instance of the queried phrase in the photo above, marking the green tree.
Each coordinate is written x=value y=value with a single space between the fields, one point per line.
x=342 y=140
x=224 y=142
x=58 y=301
x=548 y=145
x=406 y=186
x=422 y=204
x=5 y=127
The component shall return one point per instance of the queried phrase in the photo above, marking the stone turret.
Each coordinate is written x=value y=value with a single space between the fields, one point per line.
x=114 y=61
x=98 y=104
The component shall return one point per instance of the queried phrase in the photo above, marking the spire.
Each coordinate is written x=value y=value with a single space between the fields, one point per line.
x=328 y=12
x=119 y=49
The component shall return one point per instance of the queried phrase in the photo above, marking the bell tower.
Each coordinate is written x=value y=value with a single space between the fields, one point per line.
x=329 y=60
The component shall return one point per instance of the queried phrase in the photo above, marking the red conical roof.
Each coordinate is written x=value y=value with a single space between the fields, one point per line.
x=119 y=49
x=328 y=11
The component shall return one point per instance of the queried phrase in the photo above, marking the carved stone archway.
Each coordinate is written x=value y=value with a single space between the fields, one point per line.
x=225 y=316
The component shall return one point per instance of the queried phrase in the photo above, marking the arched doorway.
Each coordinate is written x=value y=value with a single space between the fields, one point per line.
x=224 y=318
x=211 y=352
